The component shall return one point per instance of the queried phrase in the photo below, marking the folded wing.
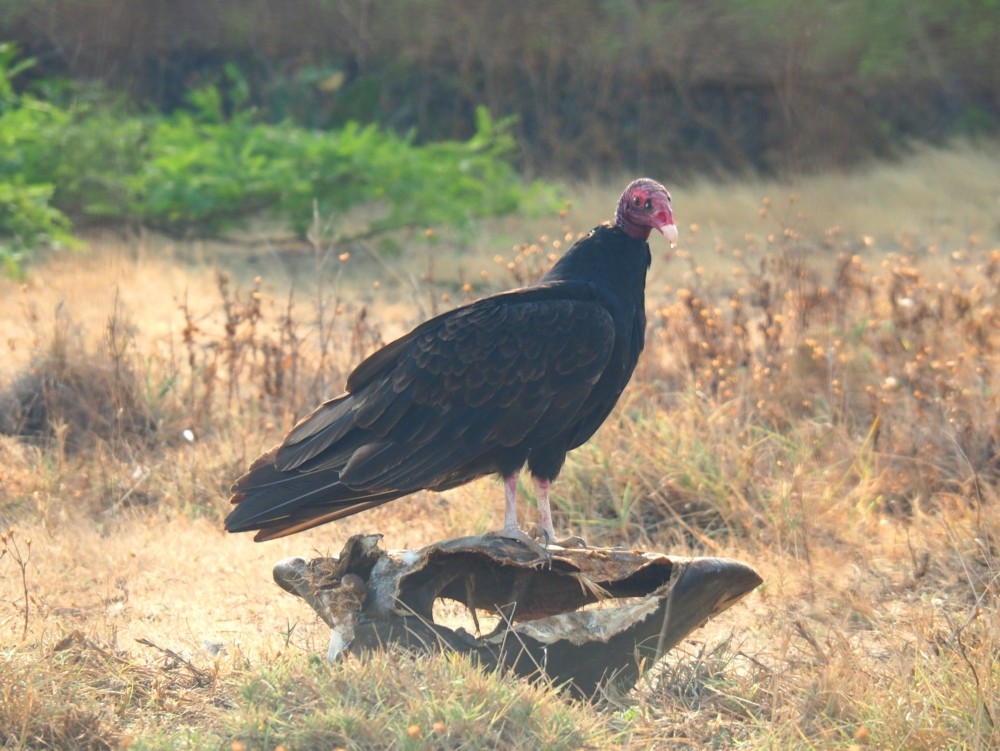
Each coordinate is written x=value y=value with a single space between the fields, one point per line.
x=462 y=395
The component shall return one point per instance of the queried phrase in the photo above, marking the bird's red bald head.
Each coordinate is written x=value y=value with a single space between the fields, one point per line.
x=643 y=207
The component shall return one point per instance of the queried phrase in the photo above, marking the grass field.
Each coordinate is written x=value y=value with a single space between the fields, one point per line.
x=818 y=398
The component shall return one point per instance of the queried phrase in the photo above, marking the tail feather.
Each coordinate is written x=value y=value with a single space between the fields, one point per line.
x=267 y=498
x=307 y=518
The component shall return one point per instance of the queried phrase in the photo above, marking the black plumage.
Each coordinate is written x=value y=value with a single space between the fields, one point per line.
x=520 y=377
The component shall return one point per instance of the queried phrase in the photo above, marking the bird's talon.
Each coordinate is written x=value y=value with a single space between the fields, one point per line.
x=543 y=557
x=548 y=539
x=542 y=535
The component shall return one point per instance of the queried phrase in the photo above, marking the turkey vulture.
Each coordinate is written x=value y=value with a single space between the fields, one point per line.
x=521 y=376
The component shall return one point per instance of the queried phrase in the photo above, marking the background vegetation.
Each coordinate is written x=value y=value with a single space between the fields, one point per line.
x=262 y=193
x=189 y=117
x=596 y=85
x=200 y=170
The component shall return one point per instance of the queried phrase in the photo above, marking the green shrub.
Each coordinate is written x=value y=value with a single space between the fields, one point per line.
x=27 y=221
x=27 y=218
x=210 y=174
x=198 y=170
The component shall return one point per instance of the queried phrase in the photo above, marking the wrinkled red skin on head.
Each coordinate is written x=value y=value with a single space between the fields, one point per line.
x=634 y=218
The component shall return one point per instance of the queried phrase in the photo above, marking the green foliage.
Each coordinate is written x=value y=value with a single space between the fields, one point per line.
x=605 y=86
x=27 y=219
x=203 y=170
x=10 y=67
x=209 y=173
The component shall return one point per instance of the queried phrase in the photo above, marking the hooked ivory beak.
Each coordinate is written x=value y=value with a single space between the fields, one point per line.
x=670 y=232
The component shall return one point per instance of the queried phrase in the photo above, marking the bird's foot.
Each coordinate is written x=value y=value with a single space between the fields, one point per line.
x=543 y=556
x=540 y=533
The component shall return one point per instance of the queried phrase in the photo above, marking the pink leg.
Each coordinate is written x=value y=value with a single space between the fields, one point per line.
x=510 y=501
x=510 y=529
x=544 y=526
x=545 y=510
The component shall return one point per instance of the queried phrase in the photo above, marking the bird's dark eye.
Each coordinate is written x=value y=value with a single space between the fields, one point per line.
x=649 y=204
x=636 y=201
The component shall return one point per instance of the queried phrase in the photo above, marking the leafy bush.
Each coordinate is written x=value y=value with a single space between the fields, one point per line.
x=210 y=173
x=201 y=170
x=26 y=221
x=604 y=87
x=26 y=217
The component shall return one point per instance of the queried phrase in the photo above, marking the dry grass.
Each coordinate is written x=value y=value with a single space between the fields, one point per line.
x=819 y=397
